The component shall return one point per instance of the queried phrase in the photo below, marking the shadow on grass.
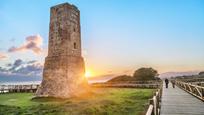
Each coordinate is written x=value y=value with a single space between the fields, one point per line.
x=48 y=99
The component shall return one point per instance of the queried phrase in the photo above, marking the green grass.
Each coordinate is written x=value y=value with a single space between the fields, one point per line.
x=101 y=101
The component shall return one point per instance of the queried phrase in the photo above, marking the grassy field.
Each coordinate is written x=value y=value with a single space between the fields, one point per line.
x=101 y=101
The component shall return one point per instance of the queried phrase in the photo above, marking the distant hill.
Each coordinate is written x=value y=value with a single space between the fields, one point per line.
x=122 y=78
x=101 y=78
x=175 y=74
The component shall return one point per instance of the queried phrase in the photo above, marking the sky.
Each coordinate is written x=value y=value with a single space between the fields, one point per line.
x=118 y=36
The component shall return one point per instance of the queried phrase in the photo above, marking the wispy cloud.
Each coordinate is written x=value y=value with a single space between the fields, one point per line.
x=3 y=56
x=32 y=43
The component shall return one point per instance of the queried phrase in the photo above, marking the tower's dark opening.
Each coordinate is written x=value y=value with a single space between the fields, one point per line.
x=75 y=47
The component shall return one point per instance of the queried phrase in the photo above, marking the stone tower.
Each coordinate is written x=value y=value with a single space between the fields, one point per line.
x=63 y=74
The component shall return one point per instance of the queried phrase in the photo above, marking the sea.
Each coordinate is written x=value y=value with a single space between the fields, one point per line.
x=38 y=82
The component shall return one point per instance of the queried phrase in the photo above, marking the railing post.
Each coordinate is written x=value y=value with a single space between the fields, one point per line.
x=200 y=94
x=151 y=102
x=150 y=110
x=155 y=105
x=190 y=88
x=202 y=91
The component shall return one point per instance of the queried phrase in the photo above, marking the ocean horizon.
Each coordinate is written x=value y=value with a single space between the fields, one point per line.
x=39 y=81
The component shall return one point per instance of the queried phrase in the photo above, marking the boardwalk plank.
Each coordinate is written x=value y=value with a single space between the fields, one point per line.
x=175 y=101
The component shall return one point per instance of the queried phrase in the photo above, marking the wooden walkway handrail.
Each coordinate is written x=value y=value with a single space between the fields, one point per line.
x=191 y=79
x=155 y=103
x=195 y=90
x=150 y=110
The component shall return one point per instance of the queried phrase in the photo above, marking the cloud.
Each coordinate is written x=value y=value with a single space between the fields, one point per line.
x=32 y=61
x=31 y=69
x=16 y=64
x=2 y=70
x=3 y=56
x=22 y=68
x=32 y=43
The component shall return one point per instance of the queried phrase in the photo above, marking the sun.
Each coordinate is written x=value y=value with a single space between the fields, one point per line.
x=87 y=74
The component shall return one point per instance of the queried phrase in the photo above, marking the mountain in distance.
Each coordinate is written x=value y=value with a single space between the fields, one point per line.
x=175 y=74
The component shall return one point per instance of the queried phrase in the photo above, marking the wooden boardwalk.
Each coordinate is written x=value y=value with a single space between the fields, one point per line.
x=176 y=101
x=18 y=88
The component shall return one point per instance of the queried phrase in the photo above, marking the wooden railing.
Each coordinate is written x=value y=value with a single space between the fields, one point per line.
x=191 y=79
x=155 y=103
x=195 y=90
x=195 y=81
x=18 y=88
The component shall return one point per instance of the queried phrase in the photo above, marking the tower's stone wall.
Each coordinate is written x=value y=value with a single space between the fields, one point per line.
x=64 y=35
x=63 y=74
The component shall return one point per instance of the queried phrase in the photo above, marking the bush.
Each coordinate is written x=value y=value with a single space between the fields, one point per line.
x=201 y=73
x=145 y=74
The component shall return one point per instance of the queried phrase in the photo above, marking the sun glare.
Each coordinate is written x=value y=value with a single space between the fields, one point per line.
x=87 y=74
